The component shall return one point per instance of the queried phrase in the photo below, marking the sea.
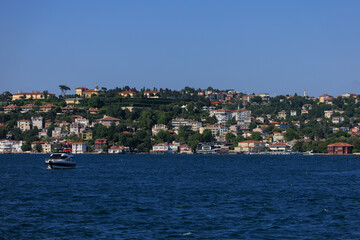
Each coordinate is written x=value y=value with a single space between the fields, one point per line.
x=181 y=197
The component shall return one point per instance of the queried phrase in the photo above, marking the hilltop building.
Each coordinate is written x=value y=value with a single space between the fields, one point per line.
x=87 y=93
x=31 y=95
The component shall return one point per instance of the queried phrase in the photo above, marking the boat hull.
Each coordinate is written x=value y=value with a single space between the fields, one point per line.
x=60 y=164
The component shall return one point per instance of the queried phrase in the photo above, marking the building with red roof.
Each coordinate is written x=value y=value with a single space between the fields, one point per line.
x=107 y=121
x=31 y=95
x=87 y=93
x=127 y=93
x=280 y=147
x=152 y=94
x=340 y=148
x=47 y=107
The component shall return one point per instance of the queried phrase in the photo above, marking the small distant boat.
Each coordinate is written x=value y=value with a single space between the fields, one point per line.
x=308 y=153
x=60 y=160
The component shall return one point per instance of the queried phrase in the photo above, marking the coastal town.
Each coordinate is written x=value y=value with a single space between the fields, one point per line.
x=188 y=121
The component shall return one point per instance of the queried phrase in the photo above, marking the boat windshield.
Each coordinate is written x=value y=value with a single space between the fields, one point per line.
x=58 y=156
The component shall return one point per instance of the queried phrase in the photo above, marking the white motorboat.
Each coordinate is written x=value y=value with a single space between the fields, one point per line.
x=60 y=160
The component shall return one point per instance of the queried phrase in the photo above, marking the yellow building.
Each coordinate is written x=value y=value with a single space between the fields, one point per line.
x=326 y=98
x=250 y=146
x=127 y=93
x=152 y=94
x=32 y=95
x=87 y=93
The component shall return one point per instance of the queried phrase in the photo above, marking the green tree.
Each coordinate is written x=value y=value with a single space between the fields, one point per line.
x=291 y=134
x=255 y=136
x=63 y=89
x=26 y=147
x=38 y=148
x=207 y=136
x=230 y=137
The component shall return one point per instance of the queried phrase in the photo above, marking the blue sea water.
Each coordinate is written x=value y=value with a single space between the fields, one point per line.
x=181 y=197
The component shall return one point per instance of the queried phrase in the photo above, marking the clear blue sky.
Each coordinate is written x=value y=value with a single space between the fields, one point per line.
x=277 y=47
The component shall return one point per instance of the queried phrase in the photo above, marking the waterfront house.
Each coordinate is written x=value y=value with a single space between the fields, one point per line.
x=114 y=150
x=161 y=148
x=206 y=148
x=339 y=148
x=174 y=146
x=78 y=148
x=250 y=146
x=185 y=149
x=280 y=147
x=10 y=146
x=99 y=143
x=6 y=146
x=45 y=146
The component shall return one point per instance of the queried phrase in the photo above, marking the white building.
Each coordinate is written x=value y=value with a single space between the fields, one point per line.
x=222 y=115
x=6 y=146
x=281 y=114
x=161 y=148
x=157 y=128
x=337 y=119
x=75 y=128
x=215 y=130
x=78 y=148
x=58 y=132
x=24 y=125
x=328 y=113
x=174 y=146
x=82 y=121
x=114 y=150
x=242 y=117
x=280 y=147
x=37 y=121
x=9 y=146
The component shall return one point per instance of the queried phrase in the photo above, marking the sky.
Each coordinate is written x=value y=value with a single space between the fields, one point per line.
x=276 y=47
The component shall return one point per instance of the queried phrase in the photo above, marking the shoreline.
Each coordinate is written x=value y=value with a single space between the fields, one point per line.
x=145 y=153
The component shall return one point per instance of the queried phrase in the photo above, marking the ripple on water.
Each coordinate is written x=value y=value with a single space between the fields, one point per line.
x=181 y=197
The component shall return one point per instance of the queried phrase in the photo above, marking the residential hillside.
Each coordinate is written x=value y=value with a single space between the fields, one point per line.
x=191 y=120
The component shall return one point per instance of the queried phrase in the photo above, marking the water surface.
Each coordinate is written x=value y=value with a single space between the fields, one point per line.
x=181 y=197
